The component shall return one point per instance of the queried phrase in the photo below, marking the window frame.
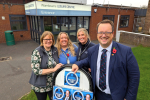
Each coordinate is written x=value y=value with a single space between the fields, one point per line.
x=139 y=20
x=109 y=16
x=124 y=19
x=25 y=20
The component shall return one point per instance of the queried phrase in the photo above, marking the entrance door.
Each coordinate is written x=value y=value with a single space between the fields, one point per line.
x=57 y=24
x=61 y=24
x=68 y=25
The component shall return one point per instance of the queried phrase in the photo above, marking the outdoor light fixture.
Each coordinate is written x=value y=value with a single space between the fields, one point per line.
x=95 y=10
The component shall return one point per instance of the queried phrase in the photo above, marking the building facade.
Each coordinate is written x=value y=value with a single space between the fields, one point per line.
x=70 y=1
x=12 y=16
x=125 y=22
x=147 y=20
x=28 y=19
x=57 y=17
x=139 y=20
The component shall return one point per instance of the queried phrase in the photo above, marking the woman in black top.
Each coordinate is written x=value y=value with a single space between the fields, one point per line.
x=84 y=44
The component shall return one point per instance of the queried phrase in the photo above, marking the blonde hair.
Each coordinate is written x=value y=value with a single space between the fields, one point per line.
x=70 y=44
x=84 y=31
x=45 y=33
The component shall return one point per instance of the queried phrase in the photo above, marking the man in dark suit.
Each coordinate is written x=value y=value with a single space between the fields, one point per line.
x=114 y=69
x=68 y=97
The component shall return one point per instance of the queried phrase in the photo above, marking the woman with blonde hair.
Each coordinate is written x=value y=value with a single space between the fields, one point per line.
x=84 y=44
x=66 y=49
x=44 y=61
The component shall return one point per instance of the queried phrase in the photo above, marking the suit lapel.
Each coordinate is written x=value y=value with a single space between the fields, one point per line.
x=94 y=62
x=113 y=56
x=96 y=56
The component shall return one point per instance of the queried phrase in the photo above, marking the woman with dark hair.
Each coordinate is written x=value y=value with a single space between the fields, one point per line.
x=44 y=62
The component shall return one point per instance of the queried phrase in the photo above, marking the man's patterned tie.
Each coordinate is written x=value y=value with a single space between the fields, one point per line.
x=102 y=78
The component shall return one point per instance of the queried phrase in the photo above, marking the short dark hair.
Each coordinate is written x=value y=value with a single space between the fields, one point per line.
x=106 y=21
x=68 y=90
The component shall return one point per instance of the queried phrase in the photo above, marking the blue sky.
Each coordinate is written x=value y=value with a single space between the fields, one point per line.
x=134 y=3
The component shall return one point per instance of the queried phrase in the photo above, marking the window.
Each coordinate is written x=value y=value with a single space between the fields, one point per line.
x=39 y=24
x=56 y=24
x=72 y=22
x=18 y=22
x=36 y=25
x=110 y=17
x=124 y=20
x=47 y=23
x=80 y=22
x=33 y=22
x=139 y=20
x=64 y=25
x=86 y=22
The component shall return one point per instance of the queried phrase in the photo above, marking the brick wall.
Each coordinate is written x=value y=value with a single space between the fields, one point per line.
x=147 y=20
x=98 y=16
x=95 y=18
x=5 y=24
x=134 y=38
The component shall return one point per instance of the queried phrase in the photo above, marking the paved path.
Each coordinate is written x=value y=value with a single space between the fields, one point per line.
x=15 y=74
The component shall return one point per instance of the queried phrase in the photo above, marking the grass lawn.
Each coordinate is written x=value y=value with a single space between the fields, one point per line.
x=142 y=55
x=31 y=96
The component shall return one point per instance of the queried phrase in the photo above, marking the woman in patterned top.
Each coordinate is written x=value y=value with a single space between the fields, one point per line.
x=44 y=61
x=66 y=49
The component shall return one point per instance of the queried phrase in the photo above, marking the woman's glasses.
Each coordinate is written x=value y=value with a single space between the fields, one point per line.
x=47 y=39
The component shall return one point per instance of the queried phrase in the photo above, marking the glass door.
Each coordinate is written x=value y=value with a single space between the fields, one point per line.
x=72 y=29
x=64 y=24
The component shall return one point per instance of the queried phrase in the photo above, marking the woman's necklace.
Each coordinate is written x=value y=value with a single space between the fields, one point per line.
x=67 y=55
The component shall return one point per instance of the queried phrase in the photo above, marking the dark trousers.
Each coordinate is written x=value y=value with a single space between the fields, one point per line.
x=99 y=95
x=43 y=96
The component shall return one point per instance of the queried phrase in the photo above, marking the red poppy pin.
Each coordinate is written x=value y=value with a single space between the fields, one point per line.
x=114 y=51
x=67 y=54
